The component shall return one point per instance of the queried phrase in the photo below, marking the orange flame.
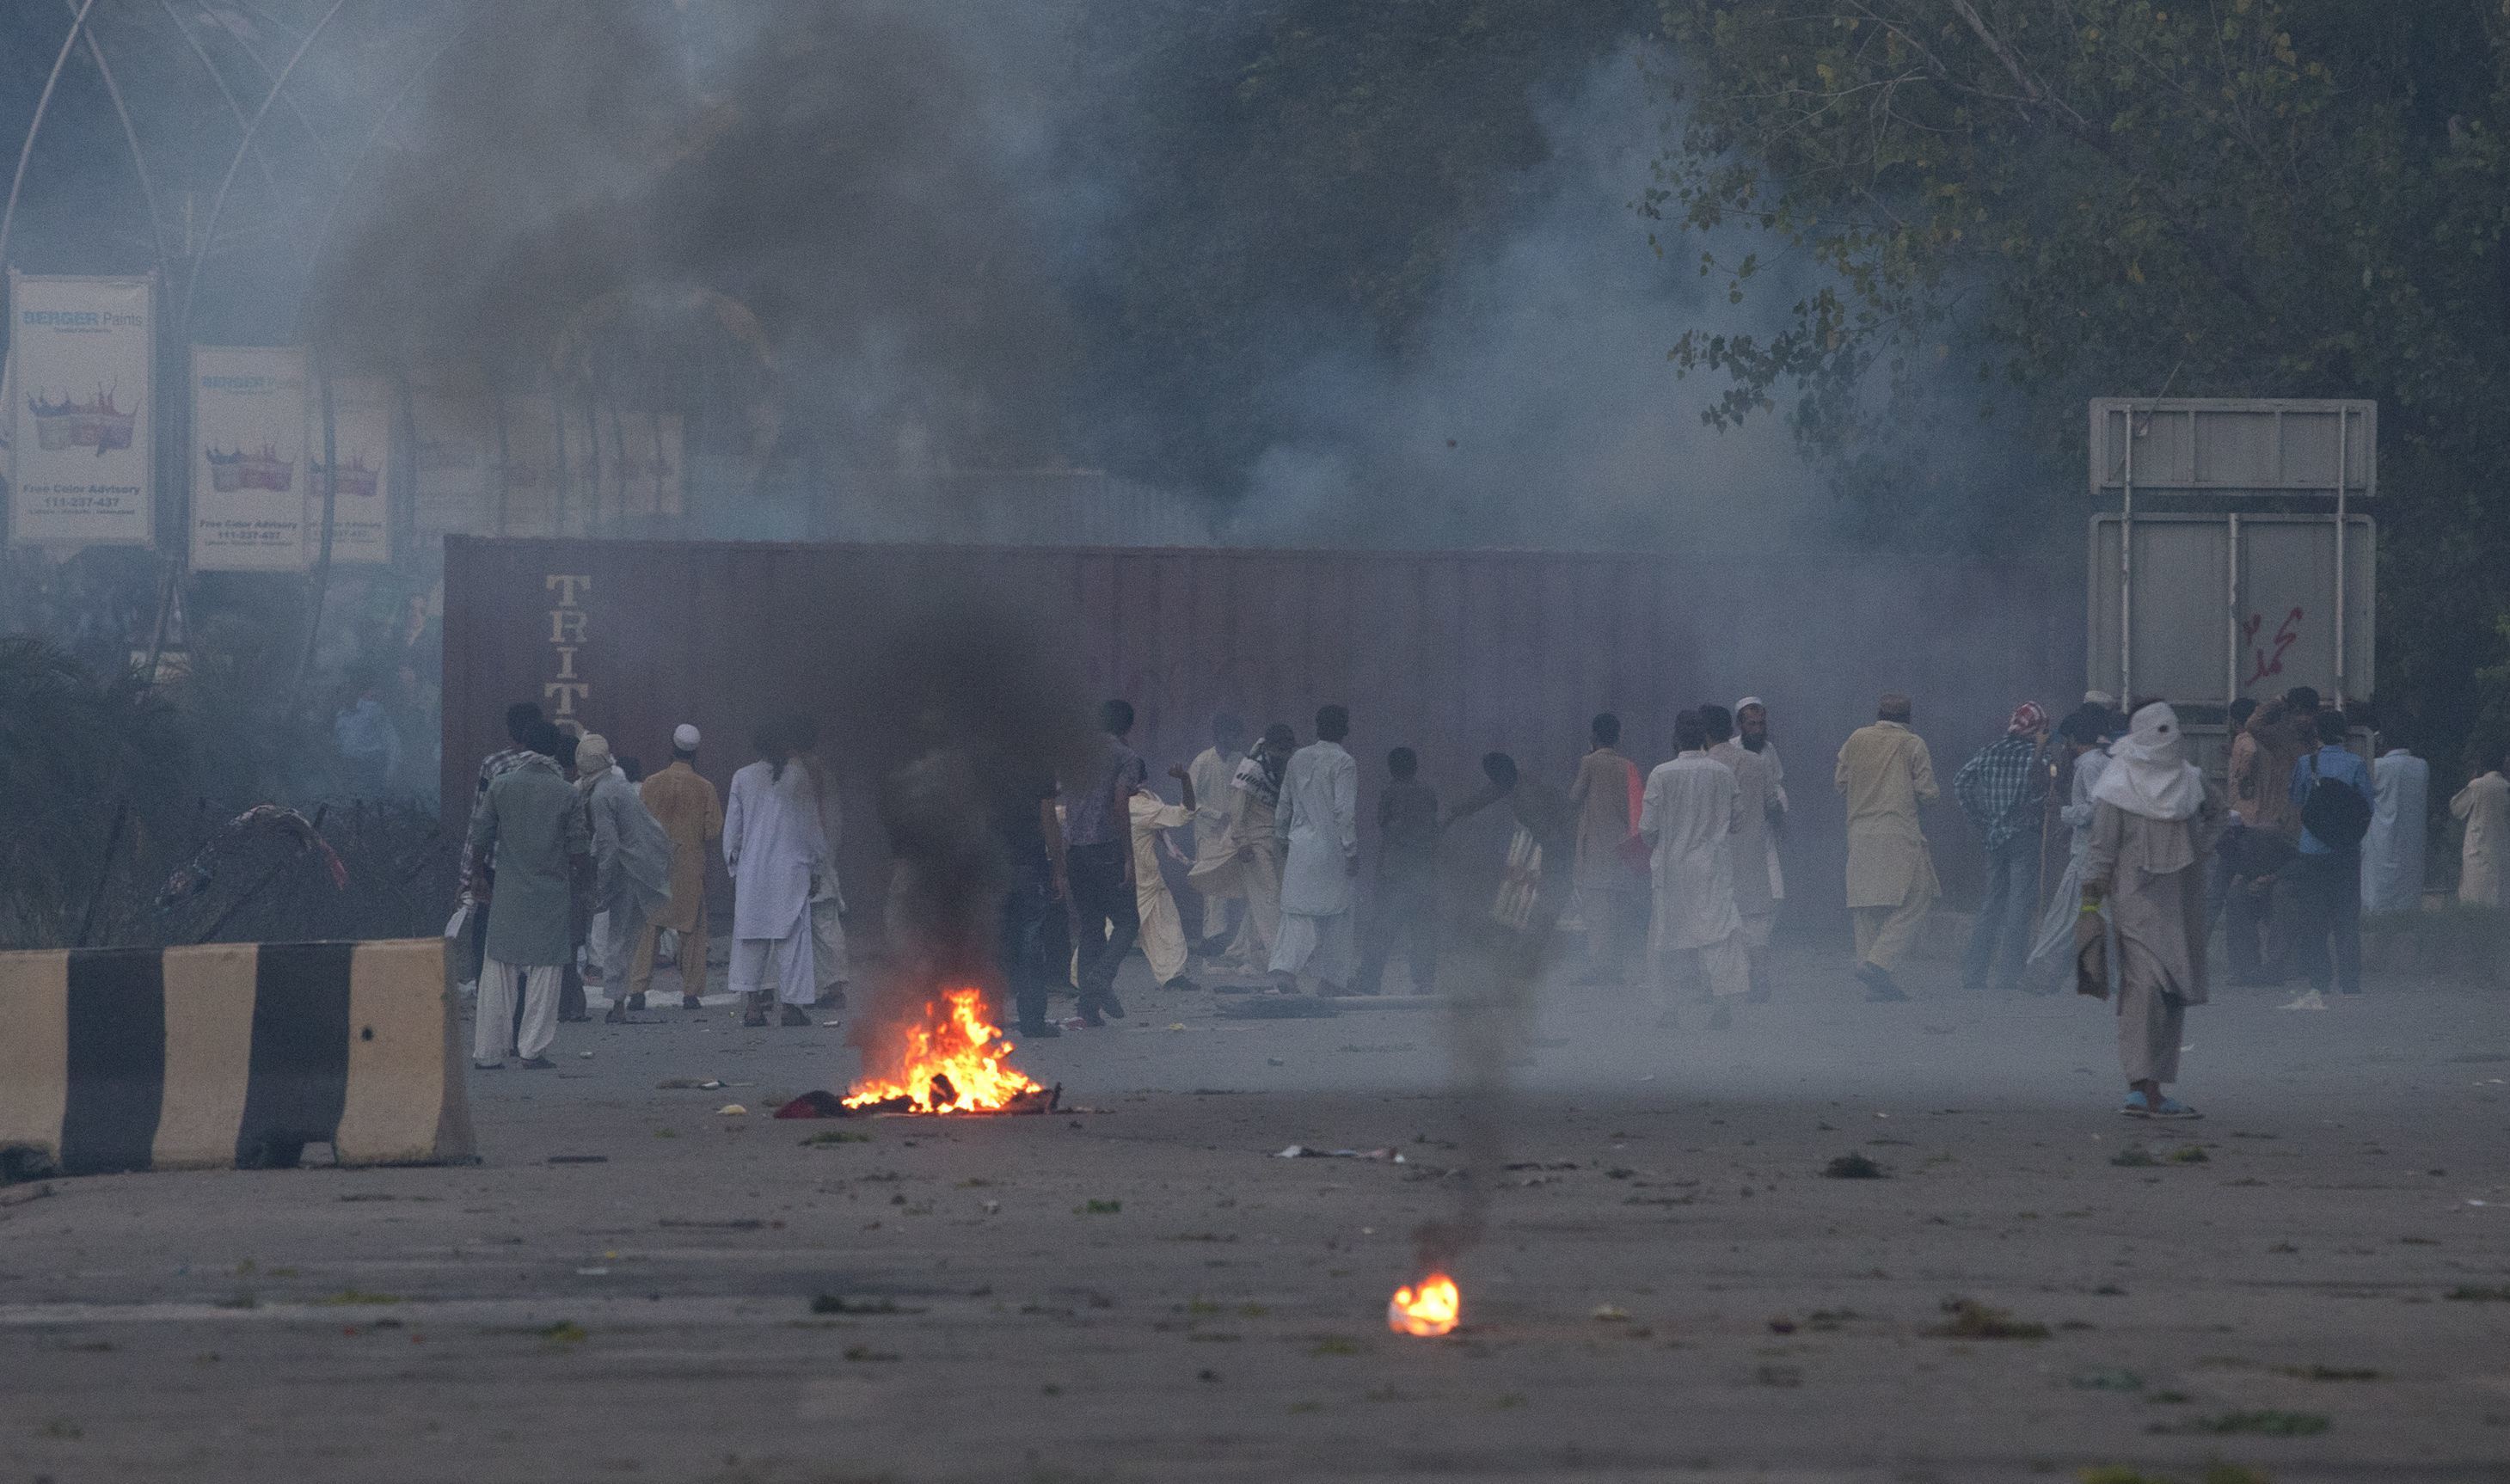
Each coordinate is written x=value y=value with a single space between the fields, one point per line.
x=1431 y=1312
x=954 y=1062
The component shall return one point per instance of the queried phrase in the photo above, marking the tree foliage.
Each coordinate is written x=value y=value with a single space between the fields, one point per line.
x=2048 y=200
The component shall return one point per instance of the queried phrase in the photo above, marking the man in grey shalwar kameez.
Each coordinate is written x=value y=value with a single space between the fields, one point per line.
x=2154 y=818
x=632 y=864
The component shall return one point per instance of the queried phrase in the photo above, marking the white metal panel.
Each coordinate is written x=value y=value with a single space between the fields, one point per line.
x=2210 y=626
x=2234 y=446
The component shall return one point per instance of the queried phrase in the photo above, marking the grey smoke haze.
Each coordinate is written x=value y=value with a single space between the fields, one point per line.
x=913 y=203
x=1541 y=410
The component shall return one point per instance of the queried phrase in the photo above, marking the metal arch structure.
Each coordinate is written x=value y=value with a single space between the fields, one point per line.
x=43 y=105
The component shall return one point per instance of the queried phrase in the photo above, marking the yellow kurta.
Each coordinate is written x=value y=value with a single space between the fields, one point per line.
x=1163 y=936
x=1886 y=773
x=691 y=813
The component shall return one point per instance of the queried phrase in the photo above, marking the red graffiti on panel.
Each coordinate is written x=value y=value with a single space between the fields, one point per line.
x=2284 y=638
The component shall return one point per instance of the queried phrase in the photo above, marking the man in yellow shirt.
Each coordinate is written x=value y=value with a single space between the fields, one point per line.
x=691 y=813
x=1886 y=773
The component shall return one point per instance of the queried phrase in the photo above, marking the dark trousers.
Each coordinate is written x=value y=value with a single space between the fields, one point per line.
x=1106 y=916
x=2005 y=913
x=2327 y=909
x=1406 y=908
x=1034 y=948
x=2249 y=913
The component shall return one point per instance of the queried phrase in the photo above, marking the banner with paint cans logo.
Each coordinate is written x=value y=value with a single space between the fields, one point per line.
x=80 y=359
x=248 y=425
x=360 y=442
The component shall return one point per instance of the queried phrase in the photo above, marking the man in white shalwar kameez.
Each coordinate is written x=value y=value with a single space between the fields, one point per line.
x=1215 y=812
x=1319 y=818
x=775 y=849
x=1688 y=816
x=2392 y=850
x=2483 y=806
x=1163 y=934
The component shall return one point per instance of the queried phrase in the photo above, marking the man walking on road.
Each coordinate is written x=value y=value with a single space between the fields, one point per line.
x=1606 y=795
x=1212 y=770
x=632 y=864
x=2483 y=806
x=2327 y=876
x=1320 y=819
x=1755 y=842
x=1689 y=815
x=1098 y=862
x=772 y=847
x=2002 y=790
x=2392 y=852
x=1886 y=773
x=533 y=826
x=691 y=813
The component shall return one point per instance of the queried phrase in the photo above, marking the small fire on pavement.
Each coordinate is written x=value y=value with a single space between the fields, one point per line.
x=1433 y=1310
x=954 y=1061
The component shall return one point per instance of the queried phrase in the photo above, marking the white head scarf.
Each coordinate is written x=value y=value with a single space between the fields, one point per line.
x=2148 y=772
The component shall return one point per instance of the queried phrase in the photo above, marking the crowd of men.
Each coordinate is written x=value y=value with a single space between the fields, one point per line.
x=1671 y=875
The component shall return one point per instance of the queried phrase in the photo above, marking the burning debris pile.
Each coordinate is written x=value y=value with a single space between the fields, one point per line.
x=954 y=1061
x=1429 y=1312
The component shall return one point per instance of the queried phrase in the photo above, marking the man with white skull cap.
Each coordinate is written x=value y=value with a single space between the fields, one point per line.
x=691 y=812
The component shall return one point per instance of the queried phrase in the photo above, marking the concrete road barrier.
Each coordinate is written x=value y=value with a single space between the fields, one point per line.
x=229 y=1054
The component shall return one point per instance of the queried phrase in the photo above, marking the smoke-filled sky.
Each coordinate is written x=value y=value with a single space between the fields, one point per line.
x=1316 y=272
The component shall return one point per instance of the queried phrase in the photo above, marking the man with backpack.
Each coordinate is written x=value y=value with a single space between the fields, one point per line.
x=2331 y=789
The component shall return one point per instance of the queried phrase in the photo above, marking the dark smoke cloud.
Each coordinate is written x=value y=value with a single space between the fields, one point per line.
x=976 y=712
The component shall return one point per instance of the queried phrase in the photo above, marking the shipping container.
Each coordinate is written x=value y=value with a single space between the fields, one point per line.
x=1454 y=654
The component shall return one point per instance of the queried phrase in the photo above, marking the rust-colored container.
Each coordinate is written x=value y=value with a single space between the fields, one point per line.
x=1452 y=653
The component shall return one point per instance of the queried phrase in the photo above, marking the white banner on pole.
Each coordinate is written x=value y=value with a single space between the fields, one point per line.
x=249 y=458
x=80 y=355
x=362 y=423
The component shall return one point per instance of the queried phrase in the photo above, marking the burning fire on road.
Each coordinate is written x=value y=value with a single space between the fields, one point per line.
x=954 y=1061
x=1431 y=1312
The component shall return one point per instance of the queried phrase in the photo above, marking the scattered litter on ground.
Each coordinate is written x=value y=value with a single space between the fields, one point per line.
x=1302 y=1152
x=1098 y=1208
x=353 y=1296
x=579 y=1159
x=2330 y=1373
x=1853 y=1167
x=829 y=1136
x=1973 y=1320
x=817 y=1104
x=586 y=1055
x=2263 y=1423
x=1607 y=1314
x=837 y=1302
x=591 y=1272
x=2189 y=1153
x=2472 y=1294
x=2134 y=1157
x=1279 y=1008
x=729 y=1224
x=1782 y=1326
x=732 y=1111
x=2108 y=1381
x=668 y=1084
x=562 y=1334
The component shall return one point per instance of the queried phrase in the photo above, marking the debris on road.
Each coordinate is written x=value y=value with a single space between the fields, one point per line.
x=732 y=1111
x=1302 y=1152
x=1854 y=1166
x=1973 y=1320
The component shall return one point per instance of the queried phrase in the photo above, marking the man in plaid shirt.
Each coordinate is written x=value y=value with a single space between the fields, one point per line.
x=2002 y=790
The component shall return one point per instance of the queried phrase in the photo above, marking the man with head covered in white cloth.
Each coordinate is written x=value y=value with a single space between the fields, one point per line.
x=774 y=848
x=2154 y=819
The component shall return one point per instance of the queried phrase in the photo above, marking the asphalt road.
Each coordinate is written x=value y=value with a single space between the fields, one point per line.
x=631 y=1284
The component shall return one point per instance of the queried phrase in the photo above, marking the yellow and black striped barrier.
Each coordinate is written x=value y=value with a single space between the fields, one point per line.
x=229 y=1054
